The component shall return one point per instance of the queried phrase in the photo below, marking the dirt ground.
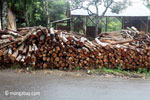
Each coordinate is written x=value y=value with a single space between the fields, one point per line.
x=76 y=73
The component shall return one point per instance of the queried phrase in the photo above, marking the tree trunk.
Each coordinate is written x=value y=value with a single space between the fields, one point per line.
x=48 y=17
x=0 y=24
x=97 y=25
x=4 y=14
x=26 y=18
x=97 y=20
x=11 y=20
x=0 y=14
x=26 y=13
x=97 y=16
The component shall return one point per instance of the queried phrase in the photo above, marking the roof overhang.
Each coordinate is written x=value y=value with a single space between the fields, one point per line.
x=134 y=10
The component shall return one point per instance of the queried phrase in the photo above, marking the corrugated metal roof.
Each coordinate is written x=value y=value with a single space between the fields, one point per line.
x=136 y=9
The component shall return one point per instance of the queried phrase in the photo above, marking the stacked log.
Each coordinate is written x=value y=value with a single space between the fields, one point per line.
x=39 y=48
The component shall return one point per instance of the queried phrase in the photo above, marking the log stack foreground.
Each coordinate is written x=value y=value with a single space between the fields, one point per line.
x=36 y=47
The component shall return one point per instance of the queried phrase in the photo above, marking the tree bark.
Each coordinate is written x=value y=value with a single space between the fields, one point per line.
x=97 y=20
x=97 y=25
x=11 y=20
x=97 y=16
x=48 y=17
x=26 y=13
x=4 y=14
x=0 y=25
x=0 y=14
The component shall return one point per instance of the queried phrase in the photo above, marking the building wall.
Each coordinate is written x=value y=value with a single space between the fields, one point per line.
x=138 y=22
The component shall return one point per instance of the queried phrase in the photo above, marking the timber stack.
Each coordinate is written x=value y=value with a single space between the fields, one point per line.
x=39 y=48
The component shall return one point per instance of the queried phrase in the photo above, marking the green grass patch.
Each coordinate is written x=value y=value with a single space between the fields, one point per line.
x=143 y=71
x=30 y=68
x=15 y=66
x=115 y=71
x=77 y=68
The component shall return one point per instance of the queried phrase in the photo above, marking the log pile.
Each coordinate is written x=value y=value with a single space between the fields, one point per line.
x=129 y=37
x=39 y=48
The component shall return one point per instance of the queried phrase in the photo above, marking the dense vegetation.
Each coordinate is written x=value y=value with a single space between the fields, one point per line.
x=33 y=12
x=114 y=24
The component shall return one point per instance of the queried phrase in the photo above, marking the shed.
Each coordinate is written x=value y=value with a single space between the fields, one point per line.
x=62 y=27
x=135 y=14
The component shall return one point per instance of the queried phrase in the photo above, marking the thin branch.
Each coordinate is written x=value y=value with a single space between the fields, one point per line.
x=87 y=8
x=106 y=9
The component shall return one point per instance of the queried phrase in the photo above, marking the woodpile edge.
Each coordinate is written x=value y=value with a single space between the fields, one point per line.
x=36 y=47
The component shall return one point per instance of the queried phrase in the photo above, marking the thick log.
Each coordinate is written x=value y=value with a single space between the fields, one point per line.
x=14 y=55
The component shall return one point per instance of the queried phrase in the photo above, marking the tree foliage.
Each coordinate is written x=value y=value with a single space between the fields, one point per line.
x=34 y=11
x=146 y=3
x=114 y=24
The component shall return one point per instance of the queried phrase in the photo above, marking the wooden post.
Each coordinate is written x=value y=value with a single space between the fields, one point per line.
x=73 y=23
x=106 y=24
x=122 y=22
x=86 y=21
x=86 y=24
x=68 y=13
x=147 y=26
